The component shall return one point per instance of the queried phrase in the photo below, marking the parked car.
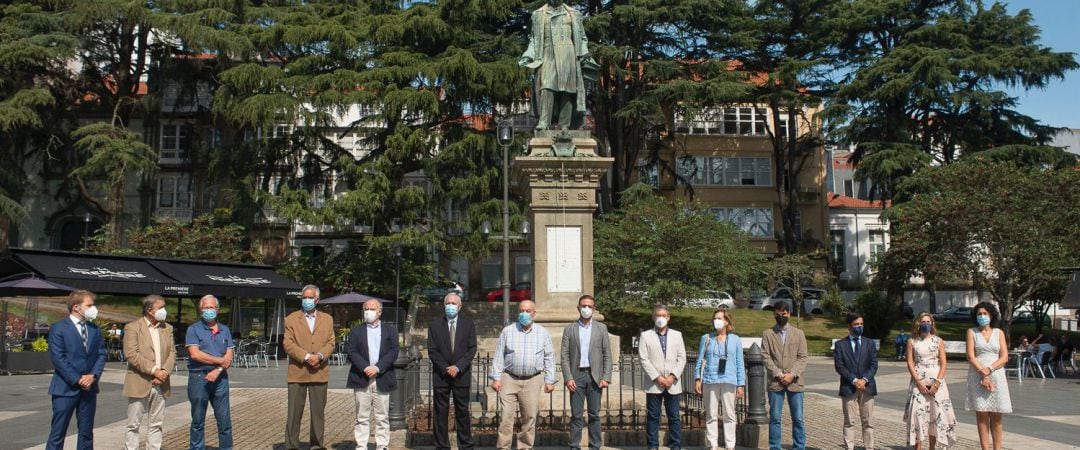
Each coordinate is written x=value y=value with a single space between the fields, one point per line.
x=435 y=294
x=811 y=300
x=712 y=299
x=954 y=314
x=518 y=292
x=1028 y=317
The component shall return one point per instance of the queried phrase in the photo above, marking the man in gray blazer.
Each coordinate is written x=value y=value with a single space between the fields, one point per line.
x=586 y=366
x=663 y=356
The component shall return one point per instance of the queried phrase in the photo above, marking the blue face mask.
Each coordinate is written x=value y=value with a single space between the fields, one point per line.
x=308 y=304
x=209 y=315
x=857 y=331
x=525 y=319
x=983 y=320
x=925 y=328
x=451 y=310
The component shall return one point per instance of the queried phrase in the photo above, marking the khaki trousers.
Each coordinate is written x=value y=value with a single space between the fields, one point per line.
x=522 y=397
x=298 y=394
x=862 y=405
x=719 y=402
x=370 y=402
x=153 y=405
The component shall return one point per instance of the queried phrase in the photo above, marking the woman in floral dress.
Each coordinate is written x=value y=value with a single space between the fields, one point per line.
x=987 y=388
x=929 y=413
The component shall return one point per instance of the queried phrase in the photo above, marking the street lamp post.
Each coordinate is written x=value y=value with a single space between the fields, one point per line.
x=397 y=285
x=506 y=137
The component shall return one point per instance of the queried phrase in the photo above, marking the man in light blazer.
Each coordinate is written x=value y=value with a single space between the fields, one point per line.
x=148 y=349
x=855 y=359
x=663 y=356
x=373 y=348
x=309 y=342
x=586 y=366
x=77 y=351
x=451 y=345
x=783 y=348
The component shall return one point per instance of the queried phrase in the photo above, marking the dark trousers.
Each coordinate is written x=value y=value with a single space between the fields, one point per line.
x=652 y=419
x=298 y=393
x=587 y=389
x=202 y=393
x=462 y=419
x=85 y=404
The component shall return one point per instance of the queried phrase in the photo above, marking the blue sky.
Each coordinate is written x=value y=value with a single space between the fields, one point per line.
x=1059 y=103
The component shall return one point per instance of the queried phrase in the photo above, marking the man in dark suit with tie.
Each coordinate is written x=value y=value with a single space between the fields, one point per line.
x=452 y=346
x=855 y=359
x=373 y=348
x=78 y=356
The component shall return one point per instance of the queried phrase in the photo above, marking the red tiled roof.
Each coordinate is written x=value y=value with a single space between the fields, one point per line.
x=840 y=201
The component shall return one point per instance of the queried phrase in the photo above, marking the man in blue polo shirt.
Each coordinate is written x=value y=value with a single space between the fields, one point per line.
x=210 y=348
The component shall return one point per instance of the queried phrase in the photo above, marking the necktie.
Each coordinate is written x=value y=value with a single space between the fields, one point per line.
x=857 y=343
x=453 y=334
x=82 y=333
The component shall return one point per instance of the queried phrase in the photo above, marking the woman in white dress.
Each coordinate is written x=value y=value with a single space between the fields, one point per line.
x=987 y=388
x=929 y=412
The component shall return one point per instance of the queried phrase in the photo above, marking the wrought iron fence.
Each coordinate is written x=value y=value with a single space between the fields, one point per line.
x=622 y=403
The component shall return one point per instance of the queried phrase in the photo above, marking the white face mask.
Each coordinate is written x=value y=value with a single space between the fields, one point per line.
x=160 y=315
x=661 y=322
x=370 y=316
x=586 y=312
x=90 y=313
x=718 y=323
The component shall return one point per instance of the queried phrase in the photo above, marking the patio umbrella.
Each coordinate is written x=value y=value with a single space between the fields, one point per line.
x=32 y=286
x=351 y=297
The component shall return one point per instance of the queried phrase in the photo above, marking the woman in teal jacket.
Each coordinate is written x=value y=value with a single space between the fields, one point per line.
x=720 y=377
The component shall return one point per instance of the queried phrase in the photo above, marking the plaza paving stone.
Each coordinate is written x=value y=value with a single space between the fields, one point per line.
x=259 y=414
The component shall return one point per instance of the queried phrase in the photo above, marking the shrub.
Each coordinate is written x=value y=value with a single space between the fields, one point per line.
x=833 y=304
x=878 y=314
x=41 y=345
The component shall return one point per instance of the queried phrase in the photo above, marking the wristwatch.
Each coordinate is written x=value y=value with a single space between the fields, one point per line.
x=220 y=369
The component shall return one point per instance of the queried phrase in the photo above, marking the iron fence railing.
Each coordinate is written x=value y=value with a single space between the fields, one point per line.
x=622 y=403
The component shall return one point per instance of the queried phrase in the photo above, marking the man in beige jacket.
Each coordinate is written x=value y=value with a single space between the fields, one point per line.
x=663 y=357
x=148 y=348
x=309 y=342
x=784 y=351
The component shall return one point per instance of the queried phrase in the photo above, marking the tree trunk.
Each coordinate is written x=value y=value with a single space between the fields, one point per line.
x=931 y=292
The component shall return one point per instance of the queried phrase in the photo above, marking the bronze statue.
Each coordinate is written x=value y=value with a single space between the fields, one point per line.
x=559 y=53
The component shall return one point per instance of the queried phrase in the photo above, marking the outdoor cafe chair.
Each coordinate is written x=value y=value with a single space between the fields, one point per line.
x=1015 y=364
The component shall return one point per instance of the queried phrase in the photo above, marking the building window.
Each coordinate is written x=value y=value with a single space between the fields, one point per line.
x=174 y=191
x=734 y=121
x=758 y=222
x=727 y=171
x=492 y=275
x=836 y=247
x=175 y=142
x=282 y=131
x=782 y=125
x=877 y=245
x=849 y=188
x=312 y=251
x=744 y=121
x=522 y=269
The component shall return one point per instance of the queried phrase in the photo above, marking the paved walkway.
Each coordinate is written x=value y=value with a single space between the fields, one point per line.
x=1047 y=412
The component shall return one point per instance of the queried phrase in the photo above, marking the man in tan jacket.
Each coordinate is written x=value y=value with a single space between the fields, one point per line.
x=148 y=348
x=309 y=342
x=784 y=351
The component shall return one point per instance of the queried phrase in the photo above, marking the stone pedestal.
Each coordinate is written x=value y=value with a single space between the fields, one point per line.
x=562 y=201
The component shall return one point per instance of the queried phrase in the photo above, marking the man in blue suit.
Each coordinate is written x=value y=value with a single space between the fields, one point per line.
x=855 y=359
x=78 y=356
x=372 y=349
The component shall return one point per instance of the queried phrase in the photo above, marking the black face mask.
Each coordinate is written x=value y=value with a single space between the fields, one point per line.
x=781 y=321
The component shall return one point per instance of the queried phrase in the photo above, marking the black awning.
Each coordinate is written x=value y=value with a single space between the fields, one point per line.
x=1072 y=293
x=229 y=280
x=137 y=275
x=97 y=273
